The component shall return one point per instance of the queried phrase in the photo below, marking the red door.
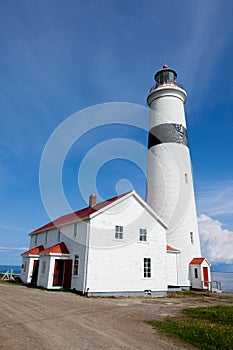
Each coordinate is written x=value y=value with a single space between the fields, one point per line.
x=58 y=273
x=205 y=276
x=67 y=274
x=35 y=272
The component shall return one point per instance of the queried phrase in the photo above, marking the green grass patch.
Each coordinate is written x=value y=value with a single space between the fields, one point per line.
x=206 y=328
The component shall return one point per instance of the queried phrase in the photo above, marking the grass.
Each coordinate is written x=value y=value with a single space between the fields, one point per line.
x=206 y=328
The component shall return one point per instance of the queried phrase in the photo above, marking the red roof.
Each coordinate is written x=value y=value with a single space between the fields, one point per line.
x=33 y=251
x=170 y=249
x=77 y=215
x=197 y=261
x=59 y=248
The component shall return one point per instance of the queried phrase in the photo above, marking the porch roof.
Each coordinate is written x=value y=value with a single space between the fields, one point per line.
x=197 y=261
x=171 y=249
x=59 y=248
x=33 y=251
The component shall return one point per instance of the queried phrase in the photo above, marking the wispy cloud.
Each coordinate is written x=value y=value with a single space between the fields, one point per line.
x=12 y=249
x=214 y=198
x=216 y=242
x=14 y=228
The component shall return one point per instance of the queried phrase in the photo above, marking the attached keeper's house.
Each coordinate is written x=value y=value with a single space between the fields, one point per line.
x=115 y=247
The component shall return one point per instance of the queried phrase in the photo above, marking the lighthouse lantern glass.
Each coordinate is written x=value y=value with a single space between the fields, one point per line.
x=165 y=76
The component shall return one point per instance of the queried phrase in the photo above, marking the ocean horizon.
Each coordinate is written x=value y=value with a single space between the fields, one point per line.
x=226 y=278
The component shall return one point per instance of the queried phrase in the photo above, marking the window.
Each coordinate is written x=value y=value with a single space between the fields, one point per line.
x=43 y=267
x=75 y=230
x=36 y=238
x=24 y=267
x=195 y=273
x=58 y=235
x=147 y=267
x=186 y=177
x=76 y=263
x=191 y=237
x=119 y=232
x=143 y=235
x=46 y=237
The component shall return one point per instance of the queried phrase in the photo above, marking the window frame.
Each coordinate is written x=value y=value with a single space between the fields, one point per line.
x=58 y=235
x=76 y=265
x=75 y=230
x=147 y=273
x=143 y=235
x=46 y=237
x=191 y=237
x=119 y=231
x=43 y=268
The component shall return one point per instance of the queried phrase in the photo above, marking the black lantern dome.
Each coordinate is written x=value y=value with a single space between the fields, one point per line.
x=165 y=75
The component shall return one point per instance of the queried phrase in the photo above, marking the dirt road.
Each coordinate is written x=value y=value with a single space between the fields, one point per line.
x=37 y=319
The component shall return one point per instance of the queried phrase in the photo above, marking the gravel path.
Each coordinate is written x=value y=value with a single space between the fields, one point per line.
x=38 y=319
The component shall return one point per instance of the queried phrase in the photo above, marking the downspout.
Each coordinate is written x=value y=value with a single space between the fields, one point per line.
x=85 y=291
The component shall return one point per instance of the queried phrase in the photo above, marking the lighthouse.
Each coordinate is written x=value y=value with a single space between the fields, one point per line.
x=170 y=189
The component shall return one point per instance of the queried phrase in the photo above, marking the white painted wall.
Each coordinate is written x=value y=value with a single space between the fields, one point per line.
x=172 y=260
x=116 y=265
x=26 y=276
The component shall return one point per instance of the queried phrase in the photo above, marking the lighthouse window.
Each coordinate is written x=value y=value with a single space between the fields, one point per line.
x=195 y=273
x=191 y=237
x=147 y=267
x=36 y=237
x=119 y=232
x=143 y=235
x=186 y=177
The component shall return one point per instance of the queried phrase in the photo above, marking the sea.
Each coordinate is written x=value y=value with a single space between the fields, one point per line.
x=226 y=278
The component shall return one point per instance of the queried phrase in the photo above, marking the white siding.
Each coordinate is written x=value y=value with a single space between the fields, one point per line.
x=172 y=268
x=26 y=275
x=116 y=265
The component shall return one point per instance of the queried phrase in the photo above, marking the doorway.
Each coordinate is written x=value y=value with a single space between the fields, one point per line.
x=62 y=273
x=205 y=276
x=35 y=272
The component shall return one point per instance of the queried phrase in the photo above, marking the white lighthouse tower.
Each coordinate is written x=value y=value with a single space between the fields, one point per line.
x=169 y=174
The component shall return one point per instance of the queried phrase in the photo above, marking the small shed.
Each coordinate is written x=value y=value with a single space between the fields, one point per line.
x=200 y=274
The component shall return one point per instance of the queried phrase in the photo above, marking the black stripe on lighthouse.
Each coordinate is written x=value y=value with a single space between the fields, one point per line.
x=166 y=133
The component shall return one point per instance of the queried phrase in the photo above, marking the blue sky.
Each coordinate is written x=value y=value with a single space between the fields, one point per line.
x=59 y=57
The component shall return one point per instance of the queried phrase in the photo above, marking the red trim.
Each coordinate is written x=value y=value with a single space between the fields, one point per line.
x=77 y=215
x=197 y=261
x=171 y=249
x=33 y=251
x=59 y=248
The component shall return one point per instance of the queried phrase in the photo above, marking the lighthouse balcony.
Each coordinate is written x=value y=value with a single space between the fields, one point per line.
x=168 y=83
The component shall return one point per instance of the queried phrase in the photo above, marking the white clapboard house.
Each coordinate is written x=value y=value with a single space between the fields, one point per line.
x=114 y=247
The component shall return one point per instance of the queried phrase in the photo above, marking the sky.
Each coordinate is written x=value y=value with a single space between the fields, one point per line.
x=59 y=58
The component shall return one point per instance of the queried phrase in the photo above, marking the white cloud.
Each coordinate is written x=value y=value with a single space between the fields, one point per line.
x=216 y=242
